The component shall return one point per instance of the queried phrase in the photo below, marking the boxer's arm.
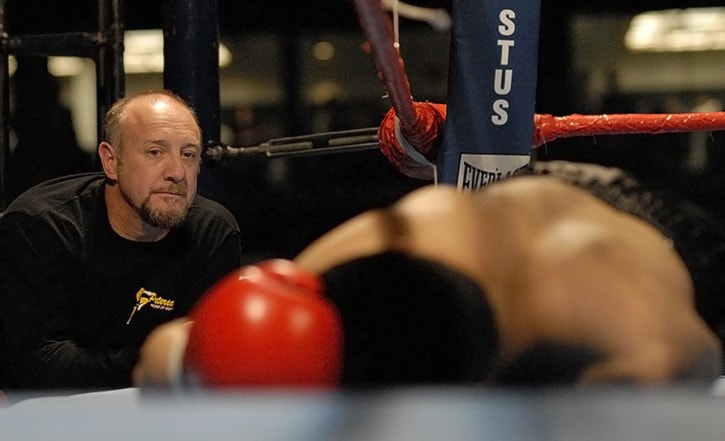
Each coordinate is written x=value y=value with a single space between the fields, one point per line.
x=160 y=362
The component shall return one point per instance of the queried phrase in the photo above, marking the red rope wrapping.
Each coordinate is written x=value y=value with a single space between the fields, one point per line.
x=548 y=128
x=432 y=119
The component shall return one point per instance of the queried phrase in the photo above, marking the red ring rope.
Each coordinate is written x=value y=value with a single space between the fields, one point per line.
x=548 y=128
x=379 y=32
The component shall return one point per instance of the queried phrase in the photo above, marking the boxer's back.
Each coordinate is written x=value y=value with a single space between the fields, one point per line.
x=557 y=265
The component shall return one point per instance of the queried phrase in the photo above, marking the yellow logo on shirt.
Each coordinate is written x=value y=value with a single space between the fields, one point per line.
x=145 y=297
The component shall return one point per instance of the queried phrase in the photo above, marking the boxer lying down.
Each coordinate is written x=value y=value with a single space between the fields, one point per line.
x=568 y=274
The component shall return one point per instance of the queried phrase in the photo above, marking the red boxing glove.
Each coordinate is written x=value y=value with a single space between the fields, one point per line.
x=267 y=325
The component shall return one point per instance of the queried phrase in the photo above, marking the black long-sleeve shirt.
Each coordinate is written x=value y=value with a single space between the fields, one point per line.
x=77 y=300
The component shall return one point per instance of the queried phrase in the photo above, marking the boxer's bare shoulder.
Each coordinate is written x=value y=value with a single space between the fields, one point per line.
x=363 y=235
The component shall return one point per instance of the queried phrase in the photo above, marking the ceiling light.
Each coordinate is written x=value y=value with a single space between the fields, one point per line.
x=677 y=30
x=66 y=66
x=144 y=51
x=323 y=51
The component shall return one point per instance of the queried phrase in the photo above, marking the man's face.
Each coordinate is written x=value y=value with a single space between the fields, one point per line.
x=159 y=163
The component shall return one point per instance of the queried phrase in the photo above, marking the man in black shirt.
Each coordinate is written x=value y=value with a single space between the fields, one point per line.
x=91 y=263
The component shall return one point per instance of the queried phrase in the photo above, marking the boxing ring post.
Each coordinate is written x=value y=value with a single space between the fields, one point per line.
x=491 y=91
x=105 y=47
x=191 y=70
x=110 y=74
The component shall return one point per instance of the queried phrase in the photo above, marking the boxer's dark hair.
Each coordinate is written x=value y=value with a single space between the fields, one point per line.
x=410 y=321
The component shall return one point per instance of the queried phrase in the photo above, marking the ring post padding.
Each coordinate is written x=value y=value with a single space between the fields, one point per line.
x=491 y=91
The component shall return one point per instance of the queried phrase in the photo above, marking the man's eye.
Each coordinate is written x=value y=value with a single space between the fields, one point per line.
x=189 y=155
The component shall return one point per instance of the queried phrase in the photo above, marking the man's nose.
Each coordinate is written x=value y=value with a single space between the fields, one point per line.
x=174 y=170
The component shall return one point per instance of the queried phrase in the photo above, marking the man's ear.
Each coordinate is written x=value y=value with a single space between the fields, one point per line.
x=109 y=159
